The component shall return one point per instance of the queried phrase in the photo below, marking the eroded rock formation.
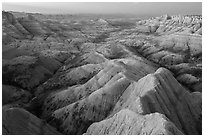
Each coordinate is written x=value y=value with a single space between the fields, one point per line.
x=126 y=122
x=101 y=76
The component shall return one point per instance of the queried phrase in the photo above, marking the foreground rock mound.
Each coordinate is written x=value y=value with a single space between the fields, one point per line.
x=127 y=122
x=160 y=92
x=17 y=121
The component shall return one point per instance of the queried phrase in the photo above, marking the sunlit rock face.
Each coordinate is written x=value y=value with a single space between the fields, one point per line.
x=165 y=95
x=172 y=46
x=126 y=122
x=94 y=100
x=170 y=24
x=76 y=74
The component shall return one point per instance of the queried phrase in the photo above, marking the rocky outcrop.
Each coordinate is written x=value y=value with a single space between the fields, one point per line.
x=186 y=44
x=75 y=118
x=84 y=66
x=163 y=95
x=170 y=24
x=72 y=94
x=127 y=122
x=112 y=51
x=79 y=106
x=170 y=51
x=102 y=22
x=61 y=98
x=10 y=20
x=25 y=27
x=12 y=29
x=18 y=121
x=160 y=92
x=32 y=25
x=78 y=75
x=84 y=59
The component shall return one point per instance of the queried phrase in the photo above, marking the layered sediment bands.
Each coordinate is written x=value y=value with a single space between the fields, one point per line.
x=173 y=51
x=160 y=92
x=12 y=27
x=127 y=122
x=170 y=50
x=171 y=24
x=183 y=43
x=76 y=118
x=70 y=95
x=76 y=70
x=134 y=70
x=32 y=25
x=78 y=75
x=94 y=100
x=17 y=121
x=80 y=60
x=178 y=43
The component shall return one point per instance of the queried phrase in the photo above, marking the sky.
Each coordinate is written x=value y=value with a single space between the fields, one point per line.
x=136 y=8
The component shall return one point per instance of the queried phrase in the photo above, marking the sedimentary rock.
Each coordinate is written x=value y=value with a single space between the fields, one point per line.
x=12 y=27
x=132 y=69
x=32 y=25
x=82 y=105
x=160 y=92
x=171 y=24
x=78 y=75
x=112 y=51
x=127 y=122
x=169 y=50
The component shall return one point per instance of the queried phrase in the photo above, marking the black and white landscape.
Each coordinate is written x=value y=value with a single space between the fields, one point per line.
x=102 y=73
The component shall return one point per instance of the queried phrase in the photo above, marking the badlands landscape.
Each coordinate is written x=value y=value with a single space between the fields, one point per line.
x=85 y=75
